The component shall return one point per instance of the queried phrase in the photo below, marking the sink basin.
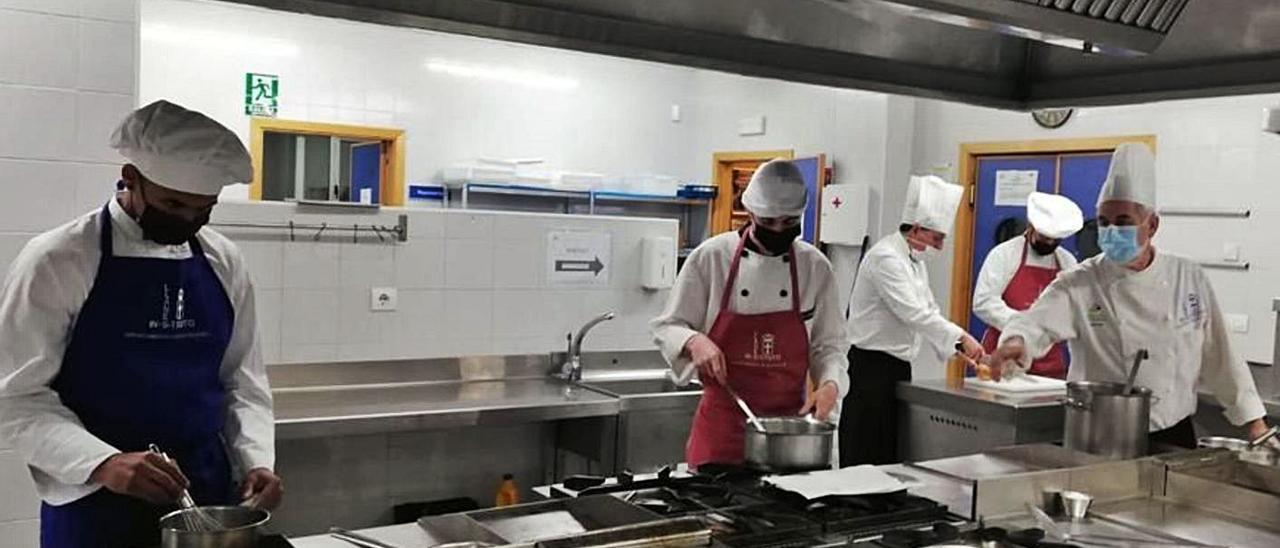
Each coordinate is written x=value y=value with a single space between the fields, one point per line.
x=641 y=387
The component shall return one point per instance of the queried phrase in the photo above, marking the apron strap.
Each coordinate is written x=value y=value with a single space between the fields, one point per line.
x=1057 y=265
x=733 y=275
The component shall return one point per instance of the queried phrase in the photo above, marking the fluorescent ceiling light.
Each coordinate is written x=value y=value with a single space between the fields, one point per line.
x=503 y=74
x=219 y=41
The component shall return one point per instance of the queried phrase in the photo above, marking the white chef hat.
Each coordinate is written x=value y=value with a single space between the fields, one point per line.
x=776 y=189
x=1132 y=176
x=1054 y=216
x=931 y=203
x=181 y=149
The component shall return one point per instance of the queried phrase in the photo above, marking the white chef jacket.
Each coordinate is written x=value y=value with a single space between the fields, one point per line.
x=694 y=303
x=997 y=271
x=892 y=309
x=44 y=291
x=1109 y=313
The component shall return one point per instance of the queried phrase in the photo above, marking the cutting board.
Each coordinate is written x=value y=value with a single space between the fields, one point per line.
x=1021 y=384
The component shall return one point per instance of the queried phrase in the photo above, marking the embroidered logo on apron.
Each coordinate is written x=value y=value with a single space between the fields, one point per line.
x=1192 y=310
x=1097 y=316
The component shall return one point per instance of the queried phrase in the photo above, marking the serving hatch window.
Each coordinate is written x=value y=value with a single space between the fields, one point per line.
x=303 y=161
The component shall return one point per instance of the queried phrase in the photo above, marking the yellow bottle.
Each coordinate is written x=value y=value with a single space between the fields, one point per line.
x=508 y=493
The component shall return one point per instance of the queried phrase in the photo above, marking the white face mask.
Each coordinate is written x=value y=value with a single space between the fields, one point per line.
x=928 y=252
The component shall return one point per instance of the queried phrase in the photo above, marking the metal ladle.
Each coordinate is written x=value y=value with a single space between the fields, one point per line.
x=742 y=404
x=1133 y=372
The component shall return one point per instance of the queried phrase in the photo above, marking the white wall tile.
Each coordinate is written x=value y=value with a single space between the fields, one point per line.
x=270 y=304
x=98 y=114
x=420 y=264
x=45 y=59
x=517 y=314
x=519 y=264
x=426 y=224
x=308 y=353
x=309 y=265
x=20 y=500
x=41 y=189
x=94 y=185
x=473 y=226
x=265 y=260
x=107 y=57
x=309 y=316
x=469 y=313
x=114 y=10
x=38 y=123
x=420 y=323
x=359 y=325
x=367 y=264
x=468 y=264
x=60 y=7
x=20 y=534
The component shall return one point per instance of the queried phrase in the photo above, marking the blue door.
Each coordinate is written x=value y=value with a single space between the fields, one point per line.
x=813 y=169
x=989 y=218
x=366 y=171
x=1076 y=176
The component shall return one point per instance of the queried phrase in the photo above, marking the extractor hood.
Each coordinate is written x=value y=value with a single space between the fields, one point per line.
x=999 y=53
x=1115 y=27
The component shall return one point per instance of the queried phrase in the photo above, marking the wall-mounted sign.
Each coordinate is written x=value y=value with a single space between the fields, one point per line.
x=261 y=94
x=578 y=259
x=1013 y=186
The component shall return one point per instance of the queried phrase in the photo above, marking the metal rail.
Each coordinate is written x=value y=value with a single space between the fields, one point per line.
x=400 y=231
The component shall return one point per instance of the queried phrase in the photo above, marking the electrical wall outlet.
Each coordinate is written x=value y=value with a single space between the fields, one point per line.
x=1231 y=252
x=1237 y=323
x=382 y=299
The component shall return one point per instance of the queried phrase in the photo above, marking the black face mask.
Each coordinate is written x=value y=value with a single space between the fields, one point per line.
x=1042 y=249
x=776 y=242
x=167 y=228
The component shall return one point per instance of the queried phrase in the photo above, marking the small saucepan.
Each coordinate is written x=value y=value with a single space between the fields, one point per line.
x=790 y=443
x=1257 y=454
x=242 y=525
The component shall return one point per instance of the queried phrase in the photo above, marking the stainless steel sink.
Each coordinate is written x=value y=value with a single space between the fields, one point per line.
x=642 y=388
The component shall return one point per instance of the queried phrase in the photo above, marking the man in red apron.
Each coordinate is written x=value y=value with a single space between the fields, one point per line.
x=756 y=311
x=1017 y=271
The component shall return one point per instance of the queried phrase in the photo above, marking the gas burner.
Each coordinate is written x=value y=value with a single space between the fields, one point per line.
x=767 y=525
x=945 y=533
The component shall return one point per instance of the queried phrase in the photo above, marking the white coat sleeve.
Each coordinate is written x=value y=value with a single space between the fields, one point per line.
x=36 y=318
x=1048 y=321
x=684 y=315
x=988 y=294
x=250 y=424
x=895 y=286
x=1224 y=373
x=1066 y=261
x=828 y=338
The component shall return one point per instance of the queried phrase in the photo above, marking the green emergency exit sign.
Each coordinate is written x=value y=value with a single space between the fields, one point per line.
x=261 y=94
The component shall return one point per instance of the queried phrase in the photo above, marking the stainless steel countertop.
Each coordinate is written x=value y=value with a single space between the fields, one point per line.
x=1158 y=522
x=339 y=410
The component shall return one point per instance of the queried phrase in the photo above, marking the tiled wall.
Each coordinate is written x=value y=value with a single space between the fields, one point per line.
x=67 y=75
x=1210 y=153
x=468 y=283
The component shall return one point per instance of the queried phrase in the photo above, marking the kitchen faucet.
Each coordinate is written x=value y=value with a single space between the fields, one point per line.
x=572 y=368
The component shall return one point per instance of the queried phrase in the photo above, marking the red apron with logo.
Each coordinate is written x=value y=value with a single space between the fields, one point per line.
x=1025 y=287
x=767 y=357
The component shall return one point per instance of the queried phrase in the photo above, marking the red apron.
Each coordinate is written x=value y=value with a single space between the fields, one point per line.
x=1023 y=290
x=767 y=357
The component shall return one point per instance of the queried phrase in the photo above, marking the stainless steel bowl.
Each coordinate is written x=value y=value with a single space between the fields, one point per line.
x=790 y=443
x=242 y=528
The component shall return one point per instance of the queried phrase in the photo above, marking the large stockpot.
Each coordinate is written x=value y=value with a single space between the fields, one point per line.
x=242 y=527
x=1104 y=420
x=790 y=443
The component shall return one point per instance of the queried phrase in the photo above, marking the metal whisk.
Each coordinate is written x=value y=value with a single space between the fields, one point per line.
x=194 y=518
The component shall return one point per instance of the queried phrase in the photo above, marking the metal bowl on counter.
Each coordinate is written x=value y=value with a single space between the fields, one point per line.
x=1244 y=451
x=790 y=443
x=241 y=528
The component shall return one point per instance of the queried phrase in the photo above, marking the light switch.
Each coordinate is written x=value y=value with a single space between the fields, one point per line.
x=382 y=299
x=675 y=113
x=1237 y=323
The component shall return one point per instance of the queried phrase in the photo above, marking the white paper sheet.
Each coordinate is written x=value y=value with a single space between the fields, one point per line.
x=1013 y=187
x=855 y=480
x=1021 y=384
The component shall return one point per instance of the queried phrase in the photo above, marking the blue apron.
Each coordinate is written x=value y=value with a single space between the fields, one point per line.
x=142 y=367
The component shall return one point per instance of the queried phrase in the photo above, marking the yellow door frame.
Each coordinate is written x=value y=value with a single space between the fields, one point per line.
x=722 y=178
x=970 y=153
x=392 y=159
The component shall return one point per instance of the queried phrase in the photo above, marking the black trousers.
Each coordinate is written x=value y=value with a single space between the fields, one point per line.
x=869 y=417
x=1181 y=435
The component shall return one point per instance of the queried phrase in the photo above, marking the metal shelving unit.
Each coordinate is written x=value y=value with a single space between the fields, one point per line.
x=694 y=212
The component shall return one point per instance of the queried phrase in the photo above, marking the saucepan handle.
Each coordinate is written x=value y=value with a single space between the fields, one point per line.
x=1072 y=402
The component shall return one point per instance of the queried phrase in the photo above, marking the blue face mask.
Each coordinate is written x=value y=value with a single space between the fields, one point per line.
x=1119 y=243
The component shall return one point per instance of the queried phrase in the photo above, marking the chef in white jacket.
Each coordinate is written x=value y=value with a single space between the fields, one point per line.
x=1136 y=297
x=132 y=325
x=1016 y=272
x=755 y=311
x=893 y=317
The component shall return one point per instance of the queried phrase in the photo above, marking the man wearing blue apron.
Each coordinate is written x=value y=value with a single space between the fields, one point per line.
x=132 y=326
